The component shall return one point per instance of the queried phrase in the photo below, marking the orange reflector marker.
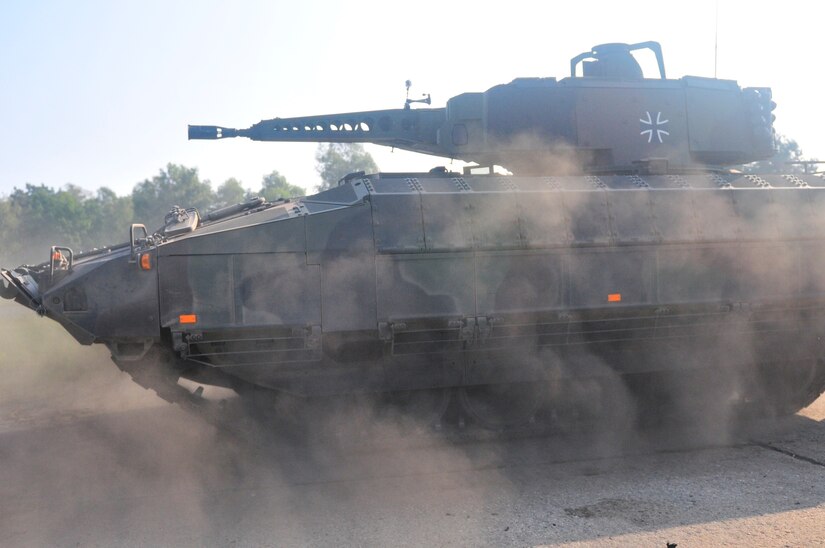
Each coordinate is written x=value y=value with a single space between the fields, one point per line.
x=146 y=261
x=188 y=318
x=614 y=298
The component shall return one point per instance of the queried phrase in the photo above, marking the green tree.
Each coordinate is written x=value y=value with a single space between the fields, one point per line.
x=110 y=216
x=175 y=185
x=787 y=150
x=230 y=192
x=275 y=186
x=48 y=217
x=335 y=160
x=9 y=222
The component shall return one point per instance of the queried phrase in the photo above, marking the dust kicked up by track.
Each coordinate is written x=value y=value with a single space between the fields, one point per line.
x=87 y=457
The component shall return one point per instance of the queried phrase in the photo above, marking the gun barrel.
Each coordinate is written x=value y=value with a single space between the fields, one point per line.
x=214 y=132
x=377 y=126
x=403 y=128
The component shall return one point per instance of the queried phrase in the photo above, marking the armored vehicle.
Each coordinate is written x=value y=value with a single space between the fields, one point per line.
x=620 y=245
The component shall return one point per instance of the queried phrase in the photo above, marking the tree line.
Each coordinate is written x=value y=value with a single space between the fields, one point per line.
x=37 y=216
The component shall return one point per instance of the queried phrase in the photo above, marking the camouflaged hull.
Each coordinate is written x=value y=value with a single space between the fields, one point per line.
x=411 y=281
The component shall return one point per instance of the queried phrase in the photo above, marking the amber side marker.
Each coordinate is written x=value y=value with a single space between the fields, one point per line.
x=614 y=298
x=188 y=318
x=146 y=261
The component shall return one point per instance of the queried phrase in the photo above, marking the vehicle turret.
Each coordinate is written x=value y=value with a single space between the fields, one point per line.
x=609 y=119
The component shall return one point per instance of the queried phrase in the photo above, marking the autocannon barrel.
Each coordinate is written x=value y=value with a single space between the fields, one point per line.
x=212 y=132
x=415 y=130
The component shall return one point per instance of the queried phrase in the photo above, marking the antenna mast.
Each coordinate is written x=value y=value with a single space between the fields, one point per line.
x=716 y=40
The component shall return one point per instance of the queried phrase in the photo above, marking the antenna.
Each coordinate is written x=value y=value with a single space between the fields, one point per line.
x=715 y=41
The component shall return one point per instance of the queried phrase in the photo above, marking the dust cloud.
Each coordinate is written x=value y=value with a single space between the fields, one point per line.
x=48 y=376
x=122 y=443
x=83 y=449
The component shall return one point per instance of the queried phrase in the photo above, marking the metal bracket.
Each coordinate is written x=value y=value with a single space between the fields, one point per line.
x=387 y=329
x=133 y=240
x=180 y=346
x=55 y=255
x=468 y=330
x=312 y=337
x=485 y=327
x=475 y=329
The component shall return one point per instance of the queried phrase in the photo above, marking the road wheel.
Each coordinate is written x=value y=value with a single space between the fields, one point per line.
x=502 y=406
x=424 y=407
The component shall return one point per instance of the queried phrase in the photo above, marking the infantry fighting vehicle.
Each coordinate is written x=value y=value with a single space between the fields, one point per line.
x=621 y=245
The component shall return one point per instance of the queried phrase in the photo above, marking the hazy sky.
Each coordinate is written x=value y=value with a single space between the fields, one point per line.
x=100 y=93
